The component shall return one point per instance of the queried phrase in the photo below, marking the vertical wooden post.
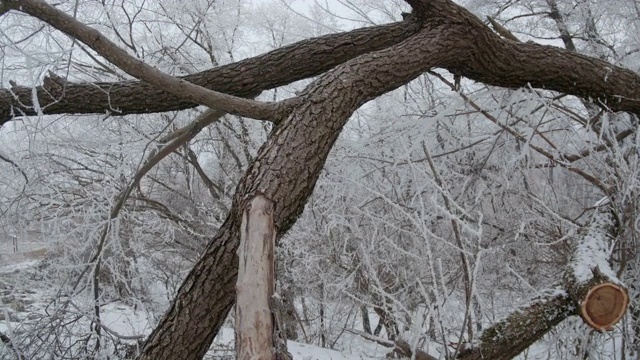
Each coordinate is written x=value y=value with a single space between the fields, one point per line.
x=14 y=241
x=256 y=281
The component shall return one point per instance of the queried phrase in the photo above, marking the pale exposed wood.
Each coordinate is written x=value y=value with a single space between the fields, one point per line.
x=604 y=306
x=591 y=291
x=601 y=298
x=256 y=281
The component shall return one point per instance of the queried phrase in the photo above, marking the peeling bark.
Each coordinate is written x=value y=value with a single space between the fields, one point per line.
x=256 y=282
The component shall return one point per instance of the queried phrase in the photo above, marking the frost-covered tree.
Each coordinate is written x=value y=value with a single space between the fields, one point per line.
x=488 y=167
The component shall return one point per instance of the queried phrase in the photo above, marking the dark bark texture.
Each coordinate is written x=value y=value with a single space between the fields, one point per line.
x=356 y=67
x=508 y=338
x=285 y=170
x=245 y=78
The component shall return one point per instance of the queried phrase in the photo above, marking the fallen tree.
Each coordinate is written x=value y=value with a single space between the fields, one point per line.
x=590 y=290
x=360 y=66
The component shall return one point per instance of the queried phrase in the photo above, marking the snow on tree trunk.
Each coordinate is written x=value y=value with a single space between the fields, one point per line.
x=256 y=281
x=590 y=281
x=592 y=291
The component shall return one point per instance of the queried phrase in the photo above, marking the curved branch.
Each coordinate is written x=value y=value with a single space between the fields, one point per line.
x=16 y=166
x=138 y=69
x=245 y=78
x=285 y=170
x=490 y=59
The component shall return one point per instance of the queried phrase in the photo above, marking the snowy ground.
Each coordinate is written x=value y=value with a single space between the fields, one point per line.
x=21 y=302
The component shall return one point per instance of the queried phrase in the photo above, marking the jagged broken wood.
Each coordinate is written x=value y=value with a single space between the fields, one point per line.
x=255 y=326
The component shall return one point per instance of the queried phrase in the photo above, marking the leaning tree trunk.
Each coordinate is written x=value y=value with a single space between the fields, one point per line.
x=601 y=297
x=285 y=170
x=591 y=290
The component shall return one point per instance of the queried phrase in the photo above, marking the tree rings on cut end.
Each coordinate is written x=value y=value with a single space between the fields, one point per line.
x=604 y=306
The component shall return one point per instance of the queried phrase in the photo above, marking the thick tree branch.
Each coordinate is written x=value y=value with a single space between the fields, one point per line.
x=288 y=164
x=489 y=59
x=285 y=170
x=495 y=61
x=245 y=78
x=509 y=337
x=138 y=69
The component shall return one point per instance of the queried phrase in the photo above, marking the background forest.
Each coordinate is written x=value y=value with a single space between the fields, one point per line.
x=444 y=206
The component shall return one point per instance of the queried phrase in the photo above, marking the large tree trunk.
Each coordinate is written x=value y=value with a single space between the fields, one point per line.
x=285 y=170
x=592 y=291
x=438 y=34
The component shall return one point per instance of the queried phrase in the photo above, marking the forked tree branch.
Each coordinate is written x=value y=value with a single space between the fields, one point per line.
x=138 y=69
x=244 y=78
x=285 y=170
x=485 y=57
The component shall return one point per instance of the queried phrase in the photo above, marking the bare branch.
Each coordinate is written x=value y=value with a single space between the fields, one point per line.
x=7 y=341
x=136 y=68
x=16 y=166
x=154 y=158
x=503 y=31
x=400 y=347
x=246 y=78
x=286 y=170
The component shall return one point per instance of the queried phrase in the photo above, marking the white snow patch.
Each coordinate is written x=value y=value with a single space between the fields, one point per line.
x=594 y=250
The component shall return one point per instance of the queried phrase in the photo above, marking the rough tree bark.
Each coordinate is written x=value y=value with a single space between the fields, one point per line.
x=591 y=290
x=360 y=66
x=245 y=78
x=285 y=170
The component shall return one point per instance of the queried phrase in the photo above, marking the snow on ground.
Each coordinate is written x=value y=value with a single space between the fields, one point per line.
x=310 y=352
x=19 y=302
x=299 y=351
